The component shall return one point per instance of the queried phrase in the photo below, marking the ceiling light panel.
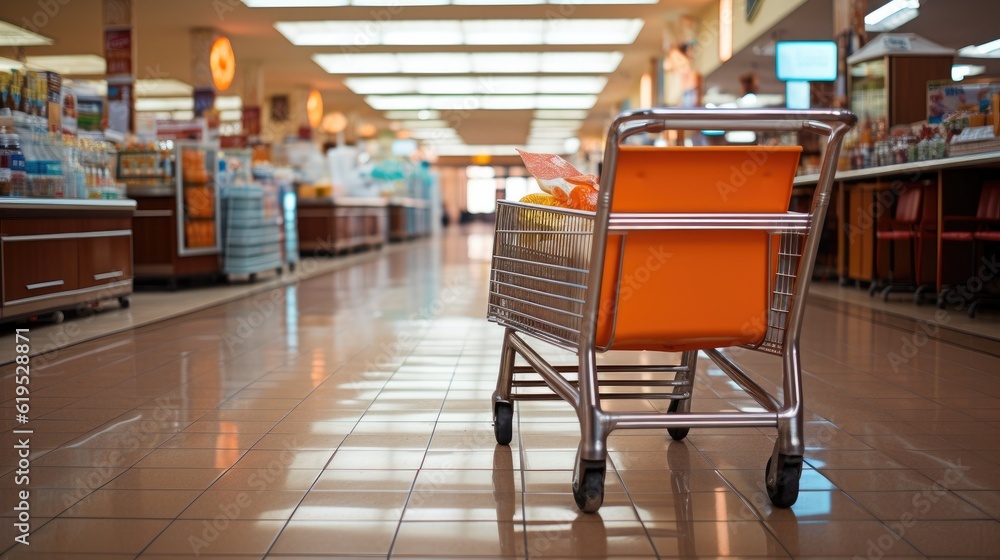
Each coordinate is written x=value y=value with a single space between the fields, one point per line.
x=550 y=124
x=461 y=32
x=474 y=102
x=69 y=65
x=14 y=36
x=557 y=114
x=412 y=115
x=507 y=85
x=469 y=63
x=408 y=3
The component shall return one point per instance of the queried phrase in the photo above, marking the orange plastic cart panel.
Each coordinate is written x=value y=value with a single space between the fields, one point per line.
x=692 y=289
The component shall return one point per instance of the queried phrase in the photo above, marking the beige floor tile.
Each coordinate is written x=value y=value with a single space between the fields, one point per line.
x=91 y=536
x=165 y=479
x=351 y=506
x=137 y=504
x=842 y=538
x=453 y=539
x=956 y=538
x=217 y=536
x=244 y=504
x=698 y=539
x=462 y=506
x=376 y=480
x=934 y=504
x=267 y=479
x=336 y=538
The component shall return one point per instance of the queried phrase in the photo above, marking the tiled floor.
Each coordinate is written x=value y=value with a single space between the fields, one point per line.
x=348 y=416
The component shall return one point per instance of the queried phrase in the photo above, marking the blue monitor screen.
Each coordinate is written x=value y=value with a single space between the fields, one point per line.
x=814 y=61
x=797 y=95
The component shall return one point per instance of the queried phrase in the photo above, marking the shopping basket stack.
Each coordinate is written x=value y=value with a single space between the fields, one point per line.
x=691 y=249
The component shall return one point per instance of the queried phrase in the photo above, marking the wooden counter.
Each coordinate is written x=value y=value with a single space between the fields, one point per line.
x=334 y=225
x=859 y=206
x=408 y=218
x=60 y=253
x=157 y=246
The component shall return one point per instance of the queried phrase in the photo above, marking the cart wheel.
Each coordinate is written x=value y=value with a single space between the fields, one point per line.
x=972 y=309
x=783 y=489
x=503 y=422
x=57 y=317
x=124 y=302
x=588 y=485
x=676 y=433
x=872 y=289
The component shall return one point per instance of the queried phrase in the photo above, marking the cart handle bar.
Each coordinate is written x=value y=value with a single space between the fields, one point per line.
x=659 y=119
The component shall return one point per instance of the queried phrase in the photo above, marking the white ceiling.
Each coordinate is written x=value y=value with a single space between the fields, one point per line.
x=163 y=49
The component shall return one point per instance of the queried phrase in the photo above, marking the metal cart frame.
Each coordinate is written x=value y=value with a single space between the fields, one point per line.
x=558 y=301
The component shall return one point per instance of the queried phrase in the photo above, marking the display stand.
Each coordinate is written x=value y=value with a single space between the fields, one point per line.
x=253 y=236
x=176 y=226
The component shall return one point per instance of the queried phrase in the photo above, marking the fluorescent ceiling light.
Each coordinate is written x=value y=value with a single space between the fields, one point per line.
x=164 y=104
x=469 y=63
x=556 y=31
x=433 y=133
x=412 y=115
x=412 y=125
x=143 y=88
x=960 y=71
x=551 y=133
x=507 y=85
x=14 y=36
x=560 y=125
x=991 y=50
x=69 y=65
x=151 y=104
x=228 y=102
x=557 y=114
x=8 y=64
x=161 y=87
x=474 y=102
x=408 y=3
x=296 y=3
x=892 y=15
x=741 y=137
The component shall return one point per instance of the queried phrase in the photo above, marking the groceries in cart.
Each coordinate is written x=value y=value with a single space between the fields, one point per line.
x=562 y=184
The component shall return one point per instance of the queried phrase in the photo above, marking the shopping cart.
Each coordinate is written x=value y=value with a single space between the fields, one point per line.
x=691 y=249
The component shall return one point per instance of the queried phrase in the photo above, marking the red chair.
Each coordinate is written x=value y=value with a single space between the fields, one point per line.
x=913 y=223
x=983 y=228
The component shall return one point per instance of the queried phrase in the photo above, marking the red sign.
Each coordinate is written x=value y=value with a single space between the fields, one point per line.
x=251 y=121
x=118 y=51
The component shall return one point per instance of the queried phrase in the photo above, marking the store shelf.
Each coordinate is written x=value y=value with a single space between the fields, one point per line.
x=88 y=258
x=986 y=159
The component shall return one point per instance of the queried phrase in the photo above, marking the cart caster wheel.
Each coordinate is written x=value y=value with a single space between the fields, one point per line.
x=872 y=289
x=124 y=302
x=57 y=317
x=588 y=485
x=972 y=309
x=783 y=488
x=676 y=433
x=503 y=422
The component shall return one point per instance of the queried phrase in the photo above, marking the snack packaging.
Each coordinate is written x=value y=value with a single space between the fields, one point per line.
x=568 y=187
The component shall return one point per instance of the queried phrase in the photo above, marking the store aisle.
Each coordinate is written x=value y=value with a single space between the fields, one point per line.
x=349 y=415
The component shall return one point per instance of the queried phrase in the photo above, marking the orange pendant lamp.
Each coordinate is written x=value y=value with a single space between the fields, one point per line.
x=314 y=108
x=222 y=61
